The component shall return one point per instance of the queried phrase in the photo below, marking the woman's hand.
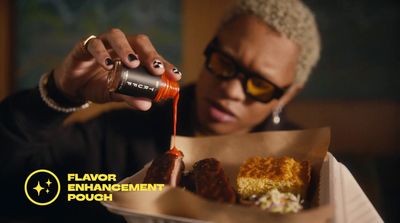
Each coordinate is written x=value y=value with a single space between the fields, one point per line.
x=83 y=73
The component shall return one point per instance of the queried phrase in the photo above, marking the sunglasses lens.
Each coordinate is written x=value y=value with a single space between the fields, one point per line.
x=260 y=89
x=224 y=67
x=221 y=66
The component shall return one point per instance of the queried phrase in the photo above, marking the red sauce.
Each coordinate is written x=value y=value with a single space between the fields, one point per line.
x=174 y=150
x=168 y=89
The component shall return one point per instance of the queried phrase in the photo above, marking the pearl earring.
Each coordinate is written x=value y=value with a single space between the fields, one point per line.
x=276 y=119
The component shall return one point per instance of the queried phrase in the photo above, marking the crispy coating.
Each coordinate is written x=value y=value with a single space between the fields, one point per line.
x=259 y=175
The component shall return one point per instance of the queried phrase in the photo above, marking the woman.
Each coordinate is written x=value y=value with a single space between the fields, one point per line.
x=259 y=59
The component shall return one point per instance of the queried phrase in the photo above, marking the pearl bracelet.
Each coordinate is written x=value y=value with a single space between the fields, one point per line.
x=51 y=103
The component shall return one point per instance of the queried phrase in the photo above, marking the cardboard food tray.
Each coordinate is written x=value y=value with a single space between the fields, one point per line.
x=178 y=205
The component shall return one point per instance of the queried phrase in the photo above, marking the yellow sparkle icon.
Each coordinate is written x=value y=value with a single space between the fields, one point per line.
x=48 y=182
x=52 y=180
x=38 y=188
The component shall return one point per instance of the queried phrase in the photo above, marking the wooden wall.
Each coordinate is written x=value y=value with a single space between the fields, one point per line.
x=5 y=48
x=199 y=22
x=367 y=127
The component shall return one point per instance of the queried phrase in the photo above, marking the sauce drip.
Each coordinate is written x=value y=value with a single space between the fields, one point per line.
x=174 y=150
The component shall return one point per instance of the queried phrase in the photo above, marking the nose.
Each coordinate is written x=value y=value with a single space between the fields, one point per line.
x=232 y=89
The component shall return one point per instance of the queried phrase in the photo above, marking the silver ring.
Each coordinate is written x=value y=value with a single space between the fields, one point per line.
x=87 y=40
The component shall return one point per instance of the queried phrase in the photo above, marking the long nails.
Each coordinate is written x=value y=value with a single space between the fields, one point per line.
x=157 y=64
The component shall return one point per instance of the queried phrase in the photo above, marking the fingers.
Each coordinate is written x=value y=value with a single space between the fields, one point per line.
x=97 y=49
x=148 y=54
x=172 y=72
x=142 y=104
x=118 y=42
x=150 y=58
x=130 y=50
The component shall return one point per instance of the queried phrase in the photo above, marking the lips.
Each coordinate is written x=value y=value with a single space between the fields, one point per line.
x=219 y=113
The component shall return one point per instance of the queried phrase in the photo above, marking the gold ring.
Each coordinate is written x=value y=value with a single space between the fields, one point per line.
x=87 y=40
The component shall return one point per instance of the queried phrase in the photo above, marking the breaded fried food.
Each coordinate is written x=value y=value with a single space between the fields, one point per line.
x=258 y=175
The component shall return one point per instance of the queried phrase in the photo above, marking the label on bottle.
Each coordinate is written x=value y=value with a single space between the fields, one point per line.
x=138 y=83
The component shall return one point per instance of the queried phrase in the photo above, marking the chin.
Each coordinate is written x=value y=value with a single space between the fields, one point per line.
x=222 y=129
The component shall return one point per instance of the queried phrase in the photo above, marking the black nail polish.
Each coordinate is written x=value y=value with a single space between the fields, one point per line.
x=157 y=64
x=132 y=57
x=109 y=62
x=176 y=71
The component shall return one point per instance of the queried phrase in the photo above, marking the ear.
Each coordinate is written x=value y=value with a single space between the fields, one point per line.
x=290 y=93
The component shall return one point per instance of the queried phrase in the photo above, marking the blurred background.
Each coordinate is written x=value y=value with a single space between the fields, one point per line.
x=355 y=89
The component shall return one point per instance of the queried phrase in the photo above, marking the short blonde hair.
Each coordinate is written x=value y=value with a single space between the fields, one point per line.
x=291 y=18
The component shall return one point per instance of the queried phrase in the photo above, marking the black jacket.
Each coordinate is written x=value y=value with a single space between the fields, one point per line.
x=32 y=137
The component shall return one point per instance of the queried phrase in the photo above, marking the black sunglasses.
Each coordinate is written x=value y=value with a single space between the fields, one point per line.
x=224 y=67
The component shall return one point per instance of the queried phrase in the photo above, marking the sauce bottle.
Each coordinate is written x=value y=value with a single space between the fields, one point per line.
x=138 y=82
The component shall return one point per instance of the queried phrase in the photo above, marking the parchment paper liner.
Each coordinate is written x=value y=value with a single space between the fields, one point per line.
x=232 y=151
